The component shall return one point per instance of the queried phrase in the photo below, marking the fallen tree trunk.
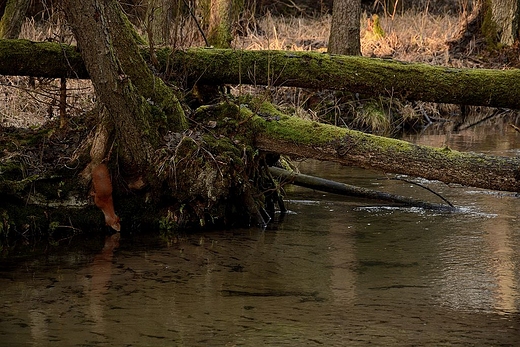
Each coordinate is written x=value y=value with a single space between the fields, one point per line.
x=369 y=76
x=41 y=59
x=329 y=186
x=293 y=136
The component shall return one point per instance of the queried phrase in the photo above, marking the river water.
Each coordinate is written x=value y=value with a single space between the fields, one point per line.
x=335 y=271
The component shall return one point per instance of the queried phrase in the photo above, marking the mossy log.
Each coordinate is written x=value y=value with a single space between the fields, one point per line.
x=293 y=136
x=41 y=59
x=369 y=76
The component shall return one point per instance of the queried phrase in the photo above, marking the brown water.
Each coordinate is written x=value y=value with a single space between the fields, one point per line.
x=334 y=272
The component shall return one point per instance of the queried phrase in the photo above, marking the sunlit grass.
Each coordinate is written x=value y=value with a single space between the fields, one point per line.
x=412 y=36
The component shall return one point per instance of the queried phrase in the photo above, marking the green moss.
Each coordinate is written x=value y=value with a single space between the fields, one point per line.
x=287 y=128
x=489 y=28
x=377 y=29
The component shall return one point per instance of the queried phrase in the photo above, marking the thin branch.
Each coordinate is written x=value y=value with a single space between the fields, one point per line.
x=424 y=187
x=329 y=186
x=197 y=23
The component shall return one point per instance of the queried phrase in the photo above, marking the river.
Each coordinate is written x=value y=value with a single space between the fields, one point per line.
x=335 y=271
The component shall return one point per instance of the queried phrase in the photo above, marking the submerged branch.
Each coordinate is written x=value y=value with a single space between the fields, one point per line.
x=329 y=186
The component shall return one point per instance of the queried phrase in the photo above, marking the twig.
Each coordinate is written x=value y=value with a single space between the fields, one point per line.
x=428 y=189
x=197 y=23
x=515 y=127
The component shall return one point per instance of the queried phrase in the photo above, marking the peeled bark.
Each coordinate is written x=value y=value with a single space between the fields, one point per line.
x=369 y=76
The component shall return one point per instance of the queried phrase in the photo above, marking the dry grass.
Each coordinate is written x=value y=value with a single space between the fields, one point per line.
x=281 y=33
x=411 y=36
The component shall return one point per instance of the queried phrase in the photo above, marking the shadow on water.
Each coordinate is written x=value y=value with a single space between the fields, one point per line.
x=335 y=272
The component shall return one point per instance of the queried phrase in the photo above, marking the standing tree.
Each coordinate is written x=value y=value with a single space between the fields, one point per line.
x=493 y=24
x=12 y=19
x=136 y=103
x=142 y=121
x=345 y=28
x=220 y=22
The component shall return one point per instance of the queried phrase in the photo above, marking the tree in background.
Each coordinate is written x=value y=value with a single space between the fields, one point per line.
x=220 y=22
x=13 y=17
x=219 y=16
x=345 y=28
x=492 y=24
x=500 y=21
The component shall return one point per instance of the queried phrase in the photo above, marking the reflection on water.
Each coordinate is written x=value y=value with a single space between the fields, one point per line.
x=336 y=272
x=100 y=275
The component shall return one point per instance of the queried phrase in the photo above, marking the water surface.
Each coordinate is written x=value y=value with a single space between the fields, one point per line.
x=335 y=271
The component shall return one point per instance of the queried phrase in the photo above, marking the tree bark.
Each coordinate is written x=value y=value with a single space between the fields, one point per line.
x=369 y=76
x=220 y=22
x=208 y=178
x=491 y=25
x=504 y=18
x=329 y=186
x=345 y=27
x=13 y=17
x=122 y=80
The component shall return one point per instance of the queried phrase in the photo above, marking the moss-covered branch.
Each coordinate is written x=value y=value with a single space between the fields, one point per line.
x=412 y=81
x=293 y=136
x=41 y=59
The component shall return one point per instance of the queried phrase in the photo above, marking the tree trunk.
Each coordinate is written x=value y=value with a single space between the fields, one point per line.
x=484 y=87
x=492 y=24
x=344 y=32
x=208 y=177
x=123 y=82
x=13 y=17
x=504 y=20
x=367 y=76
x=220 y=22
